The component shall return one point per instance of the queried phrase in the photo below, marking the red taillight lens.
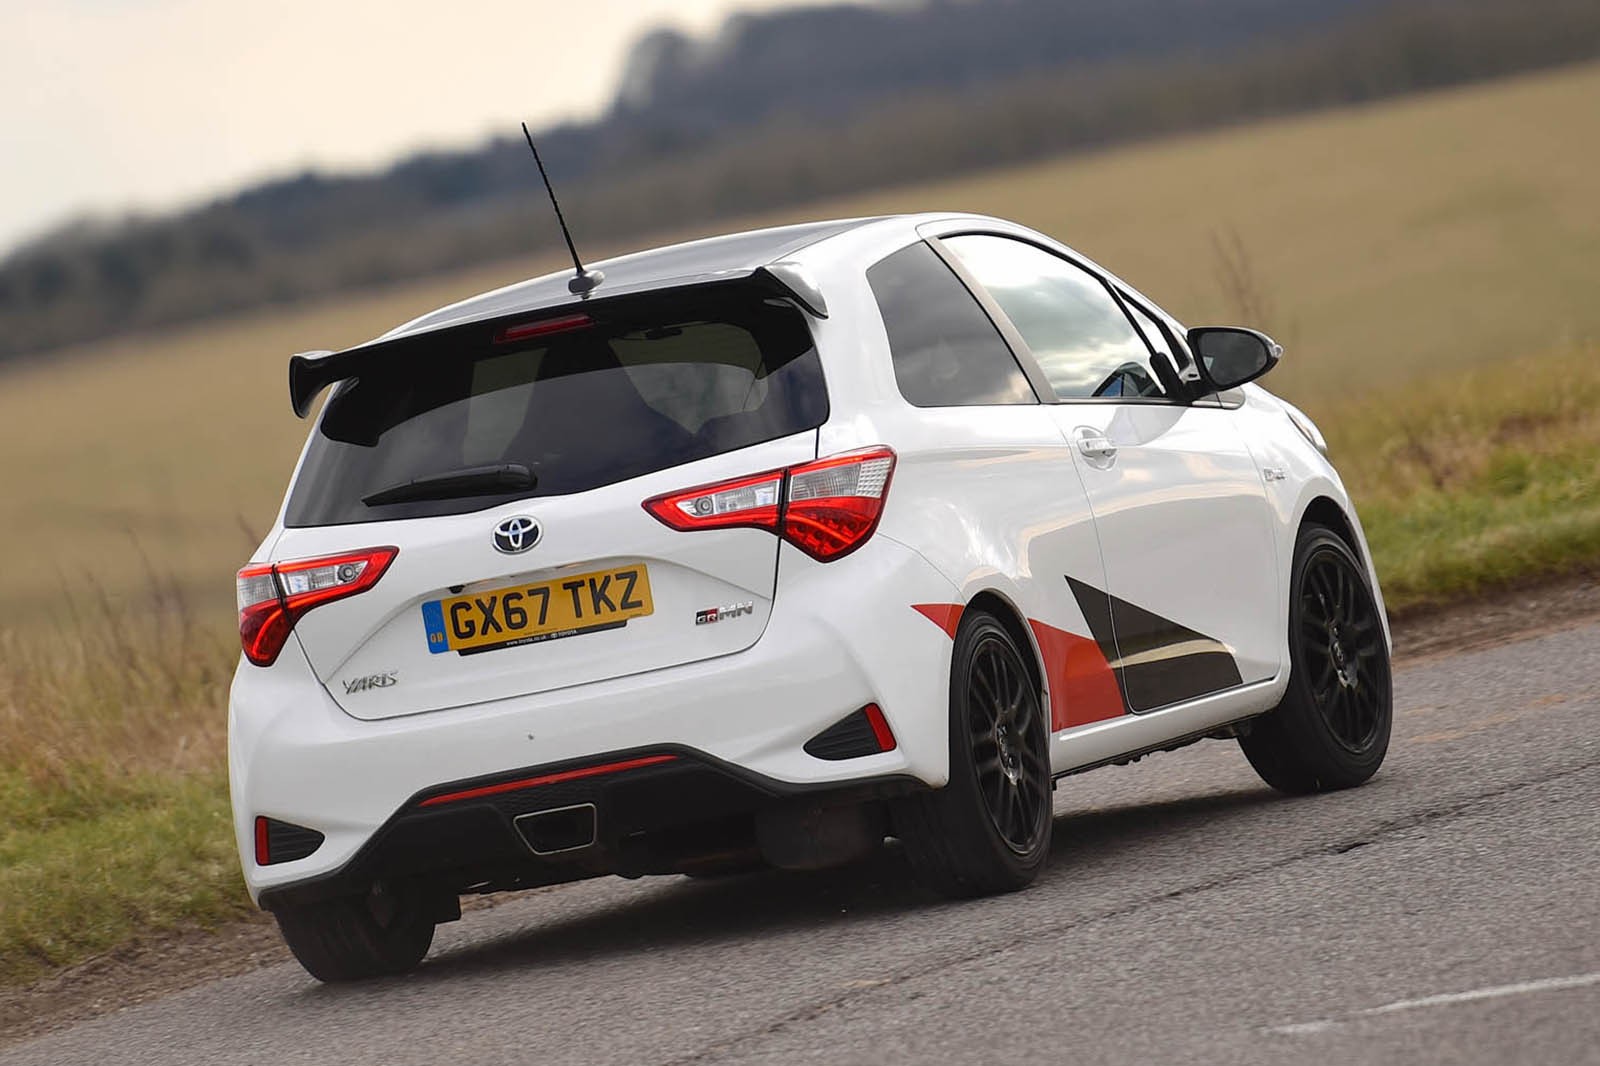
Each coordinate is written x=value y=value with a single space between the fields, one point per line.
x=273 y=597
x=827 y=509
x=834 y=504
x=746 y=501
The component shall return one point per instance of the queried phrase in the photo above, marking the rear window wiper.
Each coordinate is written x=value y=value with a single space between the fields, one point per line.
x=451 y=484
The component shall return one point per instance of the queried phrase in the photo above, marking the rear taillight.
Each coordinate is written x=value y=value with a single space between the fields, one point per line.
x=826 y=508
x=273 y=597
x=746 y=501
x=833 y=505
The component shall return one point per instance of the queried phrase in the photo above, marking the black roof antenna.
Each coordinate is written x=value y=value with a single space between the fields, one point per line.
x=585 y=280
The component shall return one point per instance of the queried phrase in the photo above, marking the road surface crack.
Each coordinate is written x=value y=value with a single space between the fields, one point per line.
x=810 y=1012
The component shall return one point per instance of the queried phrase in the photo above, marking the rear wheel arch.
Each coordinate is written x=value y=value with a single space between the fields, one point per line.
x=1009 y=617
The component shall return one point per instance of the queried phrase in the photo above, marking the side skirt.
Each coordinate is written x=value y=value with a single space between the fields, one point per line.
x=1098 y=743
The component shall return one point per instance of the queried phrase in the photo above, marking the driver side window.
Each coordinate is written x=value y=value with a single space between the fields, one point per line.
x=1075 y=328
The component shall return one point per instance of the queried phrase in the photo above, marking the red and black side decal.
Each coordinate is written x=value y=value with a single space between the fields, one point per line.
x=1136 y=660
x=1082 y=687
x=1157 y=661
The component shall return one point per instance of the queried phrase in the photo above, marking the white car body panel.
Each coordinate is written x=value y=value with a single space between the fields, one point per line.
x=1183 y=523
x=996 y=503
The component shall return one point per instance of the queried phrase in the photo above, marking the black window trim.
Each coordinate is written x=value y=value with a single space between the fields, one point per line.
x=1230 y=400
x=1166 y=369
x=1008 y=330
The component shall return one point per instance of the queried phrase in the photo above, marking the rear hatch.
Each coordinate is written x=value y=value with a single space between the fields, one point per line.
x=511 y=476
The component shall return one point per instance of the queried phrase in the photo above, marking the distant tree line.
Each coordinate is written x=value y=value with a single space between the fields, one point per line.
x=782 y=109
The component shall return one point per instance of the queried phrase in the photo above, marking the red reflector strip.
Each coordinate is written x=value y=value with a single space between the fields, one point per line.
x=263 y=855
x=523 y=330
x=546 y=779
x=880 y=727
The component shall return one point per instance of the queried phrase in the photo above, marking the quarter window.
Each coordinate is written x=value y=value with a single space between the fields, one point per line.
x=946 y=351
x=1075 y=328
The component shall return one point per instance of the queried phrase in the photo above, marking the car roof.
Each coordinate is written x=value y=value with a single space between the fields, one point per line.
x=689 y=263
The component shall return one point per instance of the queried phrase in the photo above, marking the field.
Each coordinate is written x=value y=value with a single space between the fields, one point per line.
x=1428 y=264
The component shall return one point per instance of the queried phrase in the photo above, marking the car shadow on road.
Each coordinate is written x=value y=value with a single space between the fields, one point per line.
x=677 y=912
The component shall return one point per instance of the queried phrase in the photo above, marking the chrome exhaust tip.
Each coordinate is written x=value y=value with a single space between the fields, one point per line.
x=557 y=830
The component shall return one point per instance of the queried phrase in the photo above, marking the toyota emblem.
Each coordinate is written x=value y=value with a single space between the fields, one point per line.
x=516 y=534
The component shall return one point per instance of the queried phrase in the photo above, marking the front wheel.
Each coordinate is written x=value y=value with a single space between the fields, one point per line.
x=988 y=830
x=1332 y=729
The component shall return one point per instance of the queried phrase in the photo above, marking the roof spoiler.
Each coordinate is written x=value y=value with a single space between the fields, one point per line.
x=794 y=280
x=307 y=377
x=311 y=372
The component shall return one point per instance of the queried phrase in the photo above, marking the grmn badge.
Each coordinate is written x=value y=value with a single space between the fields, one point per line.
x=722 y=614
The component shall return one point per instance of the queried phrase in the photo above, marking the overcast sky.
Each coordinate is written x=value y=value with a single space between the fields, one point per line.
x=113 y=104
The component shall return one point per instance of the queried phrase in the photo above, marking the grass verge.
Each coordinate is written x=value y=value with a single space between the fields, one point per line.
x=155 y=854
x=1477 y=481
x=113 y=793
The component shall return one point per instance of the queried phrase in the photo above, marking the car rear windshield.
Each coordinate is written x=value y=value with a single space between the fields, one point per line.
x=615 y=396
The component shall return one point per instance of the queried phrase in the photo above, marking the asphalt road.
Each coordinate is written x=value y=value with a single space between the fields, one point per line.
x=1448 y=911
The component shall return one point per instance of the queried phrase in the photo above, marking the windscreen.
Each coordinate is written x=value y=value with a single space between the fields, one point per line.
x=618 y=395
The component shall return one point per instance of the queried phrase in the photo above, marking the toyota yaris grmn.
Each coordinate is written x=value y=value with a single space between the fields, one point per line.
x=764 y=549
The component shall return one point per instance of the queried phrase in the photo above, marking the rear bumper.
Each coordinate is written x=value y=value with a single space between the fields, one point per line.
x=648 y=808
x=841 y=635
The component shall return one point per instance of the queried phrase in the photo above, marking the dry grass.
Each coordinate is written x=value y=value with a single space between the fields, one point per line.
x=117 y=690
x=1417 y=258
x=113 y=793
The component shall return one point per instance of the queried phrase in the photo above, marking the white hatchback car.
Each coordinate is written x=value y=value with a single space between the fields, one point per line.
x=770 y=547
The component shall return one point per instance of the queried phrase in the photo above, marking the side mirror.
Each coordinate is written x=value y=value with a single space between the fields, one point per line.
x=1229 y=356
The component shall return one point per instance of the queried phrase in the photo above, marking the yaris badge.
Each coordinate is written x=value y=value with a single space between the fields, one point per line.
x=516 y=535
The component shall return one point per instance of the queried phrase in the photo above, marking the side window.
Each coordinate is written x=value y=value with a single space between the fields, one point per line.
x=1069 y=319
x=946 y=351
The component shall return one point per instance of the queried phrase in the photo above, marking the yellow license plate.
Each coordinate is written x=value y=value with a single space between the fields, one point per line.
x=528 y=614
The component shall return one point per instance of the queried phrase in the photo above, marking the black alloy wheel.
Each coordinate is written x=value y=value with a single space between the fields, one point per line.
x=988 y=830
x=1341 y=650
x=1331 y=729
x=1002 y=718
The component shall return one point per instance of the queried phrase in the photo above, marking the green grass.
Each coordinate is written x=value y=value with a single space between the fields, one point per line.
x=85 y=874
x=113 y=790
x=1479 y=480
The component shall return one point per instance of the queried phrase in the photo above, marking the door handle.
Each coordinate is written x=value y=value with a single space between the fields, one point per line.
x=1097 y=447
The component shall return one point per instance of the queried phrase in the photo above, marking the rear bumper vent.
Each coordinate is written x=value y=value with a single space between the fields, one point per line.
x=864 y=732
x=283 y=841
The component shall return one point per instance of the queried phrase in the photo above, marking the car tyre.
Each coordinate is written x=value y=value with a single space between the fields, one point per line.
x=343 y=940
x=988 y=830
x=1331 y=730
